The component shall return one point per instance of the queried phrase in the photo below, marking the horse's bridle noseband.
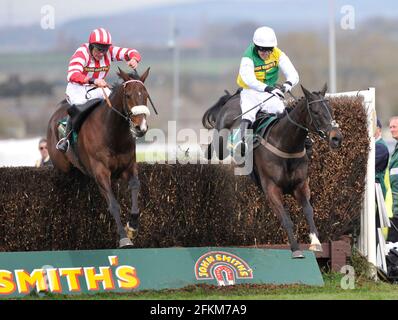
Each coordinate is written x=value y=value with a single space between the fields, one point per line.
x=126 y=110
x=149 y=97
x=333 y=124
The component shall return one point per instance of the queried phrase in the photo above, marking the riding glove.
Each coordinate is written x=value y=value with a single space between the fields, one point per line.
x=287 y=86
x=275 y=91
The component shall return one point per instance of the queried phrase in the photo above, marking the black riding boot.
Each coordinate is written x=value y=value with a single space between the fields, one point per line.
x=63 y=144
x=308 y=146
x=393 y=230
x=241 y=147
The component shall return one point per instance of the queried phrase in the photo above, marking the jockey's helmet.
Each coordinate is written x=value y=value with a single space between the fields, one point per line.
x=100 y=39
x=265 y=37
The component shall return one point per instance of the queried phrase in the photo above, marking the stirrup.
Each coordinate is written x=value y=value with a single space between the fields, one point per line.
x=60 y=145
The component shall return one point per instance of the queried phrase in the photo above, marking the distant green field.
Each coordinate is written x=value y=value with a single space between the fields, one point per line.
x=54 y=65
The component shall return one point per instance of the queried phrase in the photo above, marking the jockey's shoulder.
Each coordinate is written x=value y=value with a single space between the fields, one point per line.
x=82 y=51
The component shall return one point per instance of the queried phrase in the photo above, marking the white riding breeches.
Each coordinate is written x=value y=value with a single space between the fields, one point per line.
x=249 y=98
x=77 y=93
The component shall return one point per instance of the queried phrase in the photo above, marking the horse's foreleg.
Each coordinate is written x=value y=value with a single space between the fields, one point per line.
x=209 y=151
x=103 y=178
x=302 y=195
x=219 y=143
x=134 y=185
x=275 y=197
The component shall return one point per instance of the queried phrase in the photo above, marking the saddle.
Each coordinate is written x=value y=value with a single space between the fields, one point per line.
x=263 y=122
x=78 y=113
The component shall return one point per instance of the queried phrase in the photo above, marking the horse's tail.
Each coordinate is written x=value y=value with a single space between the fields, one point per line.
x=210 y=116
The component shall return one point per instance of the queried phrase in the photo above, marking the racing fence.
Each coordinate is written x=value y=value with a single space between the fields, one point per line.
x=187 y=205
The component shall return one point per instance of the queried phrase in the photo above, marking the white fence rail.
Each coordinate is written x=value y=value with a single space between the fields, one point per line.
x=367 y=240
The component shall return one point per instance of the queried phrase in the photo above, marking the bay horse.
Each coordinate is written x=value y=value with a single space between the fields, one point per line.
x=106 y=145
x=280 y=163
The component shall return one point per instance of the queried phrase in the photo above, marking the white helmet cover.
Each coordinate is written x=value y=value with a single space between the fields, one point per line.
x=265 y=37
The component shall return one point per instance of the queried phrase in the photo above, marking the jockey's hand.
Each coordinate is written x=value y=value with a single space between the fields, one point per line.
x=132 y=63
x=287 y=86
x=275 y=91
x=101 y=83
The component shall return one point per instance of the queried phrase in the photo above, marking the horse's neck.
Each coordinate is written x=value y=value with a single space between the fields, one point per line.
x=117 y=127
x=286 y=135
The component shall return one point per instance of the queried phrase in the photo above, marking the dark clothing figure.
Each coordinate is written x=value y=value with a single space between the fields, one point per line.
x=382 y=157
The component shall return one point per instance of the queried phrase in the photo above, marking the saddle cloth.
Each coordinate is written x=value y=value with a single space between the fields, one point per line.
x=78 y=114
x=260 y=126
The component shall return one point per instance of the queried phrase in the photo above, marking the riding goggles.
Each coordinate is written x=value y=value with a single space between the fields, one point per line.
x=101 y=47
x=264 y=49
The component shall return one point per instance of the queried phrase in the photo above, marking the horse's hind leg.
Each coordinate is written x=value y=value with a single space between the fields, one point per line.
x=302 y=195
x=103 y=178
x=275 y=198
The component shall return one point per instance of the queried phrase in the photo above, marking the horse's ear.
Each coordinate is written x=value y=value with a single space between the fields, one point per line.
x=145 y=75
x=123 y=75
x=306 y=92
x=324 y=89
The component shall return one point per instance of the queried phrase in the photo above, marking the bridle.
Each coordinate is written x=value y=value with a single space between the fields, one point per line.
x=128 y=114
x=333 y=124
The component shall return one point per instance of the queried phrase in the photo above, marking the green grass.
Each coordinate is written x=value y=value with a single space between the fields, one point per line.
x=364 y=290
x=57 y=64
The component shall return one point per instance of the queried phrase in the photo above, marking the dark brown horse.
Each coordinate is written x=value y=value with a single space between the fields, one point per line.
x=106 y=145
x=280 y=162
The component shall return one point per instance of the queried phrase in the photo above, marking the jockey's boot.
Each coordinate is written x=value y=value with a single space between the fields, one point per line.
x=242 y=146
x=308 y=146
x=63 y=144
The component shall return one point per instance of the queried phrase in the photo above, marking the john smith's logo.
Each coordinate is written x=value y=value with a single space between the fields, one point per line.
x=223 y=266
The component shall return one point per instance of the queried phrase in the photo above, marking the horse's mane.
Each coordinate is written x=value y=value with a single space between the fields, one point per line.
x=117 y=84
x=290 y=107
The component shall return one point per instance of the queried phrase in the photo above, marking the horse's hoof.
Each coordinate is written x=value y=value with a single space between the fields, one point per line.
x=316 y=247
x=131 y=232
x=125 y=243
x=298 y=254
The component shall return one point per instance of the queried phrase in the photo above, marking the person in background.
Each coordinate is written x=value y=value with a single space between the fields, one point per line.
x=393 y=171
x=45 y=157
x=382 y=156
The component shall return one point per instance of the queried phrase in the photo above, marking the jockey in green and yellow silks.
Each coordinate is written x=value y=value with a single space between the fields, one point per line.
x=258 y=75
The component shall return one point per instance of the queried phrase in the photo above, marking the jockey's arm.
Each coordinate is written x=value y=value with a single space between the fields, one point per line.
x=246 y=72
x=131 y=56
x=76 y=65
x=288 y=70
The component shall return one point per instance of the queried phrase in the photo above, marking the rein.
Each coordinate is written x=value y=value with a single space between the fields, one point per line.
x=128 y=116
x=321 y=133
x=108 y=102
x=149 y=97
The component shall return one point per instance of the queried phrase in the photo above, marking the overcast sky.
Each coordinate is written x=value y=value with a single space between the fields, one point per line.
x=26 y=12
